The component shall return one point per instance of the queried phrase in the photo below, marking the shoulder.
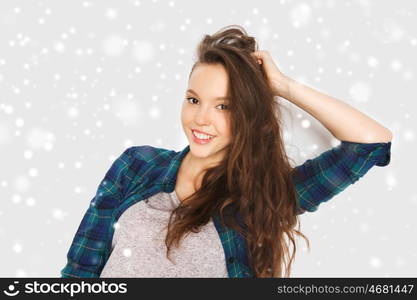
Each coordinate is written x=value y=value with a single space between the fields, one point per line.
x=149 y=154
x=129 y=168
x=136 y=159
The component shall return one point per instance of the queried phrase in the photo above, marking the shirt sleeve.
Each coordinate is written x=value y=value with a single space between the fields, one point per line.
x=85 y=257
x=319 y=179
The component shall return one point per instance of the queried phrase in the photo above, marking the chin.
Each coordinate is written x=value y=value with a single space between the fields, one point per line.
x=202 y=150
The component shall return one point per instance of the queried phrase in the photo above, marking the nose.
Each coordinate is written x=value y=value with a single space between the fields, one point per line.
x=202 y=116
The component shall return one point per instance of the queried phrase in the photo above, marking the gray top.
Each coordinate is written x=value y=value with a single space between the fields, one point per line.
x=139 y=250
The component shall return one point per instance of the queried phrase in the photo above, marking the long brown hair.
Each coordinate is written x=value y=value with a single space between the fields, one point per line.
x=255 y=176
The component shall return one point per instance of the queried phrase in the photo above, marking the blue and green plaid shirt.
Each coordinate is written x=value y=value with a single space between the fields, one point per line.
x=142 y=171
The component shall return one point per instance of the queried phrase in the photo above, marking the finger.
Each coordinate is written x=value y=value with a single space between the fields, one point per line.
x=257 y=57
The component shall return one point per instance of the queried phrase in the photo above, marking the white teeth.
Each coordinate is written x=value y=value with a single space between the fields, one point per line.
x=202 y=136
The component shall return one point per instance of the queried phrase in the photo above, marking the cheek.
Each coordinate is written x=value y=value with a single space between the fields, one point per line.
x=187 y=111
x=224 y=129
x=185 y=116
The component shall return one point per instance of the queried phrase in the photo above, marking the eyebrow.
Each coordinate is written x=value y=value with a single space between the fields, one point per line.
x=217 y=98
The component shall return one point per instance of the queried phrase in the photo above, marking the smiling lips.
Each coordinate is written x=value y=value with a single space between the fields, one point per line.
x=201 y=138
x=202 y=132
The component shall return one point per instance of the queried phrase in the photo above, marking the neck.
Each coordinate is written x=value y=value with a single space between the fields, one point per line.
x=193 y=167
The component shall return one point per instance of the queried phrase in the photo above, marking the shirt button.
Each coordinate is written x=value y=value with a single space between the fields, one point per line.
x=231 y=260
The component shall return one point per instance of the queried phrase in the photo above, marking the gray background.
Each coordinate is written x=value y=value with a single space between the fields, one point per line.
x=80 y=81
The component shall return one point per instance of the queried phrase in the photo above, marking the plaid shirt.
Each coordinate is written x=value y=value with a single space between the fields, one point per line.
x=142 y=171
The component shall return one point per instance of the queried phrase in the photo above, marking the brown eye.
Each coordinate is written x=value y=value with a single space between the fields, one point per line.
x=191 y=98
x=224 y=106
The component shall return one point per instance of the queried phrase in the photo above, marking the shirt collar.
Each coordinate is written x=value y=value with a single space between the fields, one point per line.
x=169 y=174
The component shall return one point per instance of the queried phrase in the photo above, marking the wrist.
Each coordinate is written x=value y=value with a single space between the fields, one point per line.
x=282 y=86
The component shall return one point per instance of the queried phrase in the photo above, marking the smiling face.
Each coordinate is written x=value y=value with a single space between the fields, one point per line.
x=205 y=109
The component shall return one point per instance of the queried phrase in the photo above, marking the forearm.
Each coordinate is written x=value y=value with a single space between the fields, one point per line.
x=342 y=120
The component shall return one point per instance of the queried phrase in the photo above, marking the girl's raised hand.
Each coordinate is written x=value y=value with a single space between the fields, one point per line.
x=277 y=80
